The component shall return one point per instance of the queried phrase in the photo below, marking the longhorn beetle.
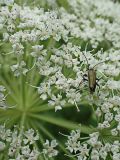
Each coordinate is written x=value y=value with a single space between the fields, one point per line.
x=91 y=75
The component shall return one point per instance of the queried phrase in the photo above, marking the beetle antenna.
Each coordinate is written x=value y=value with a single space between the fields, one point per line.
x=100 y=63
x=85 y=55
x=31 y=85
x=63 y=134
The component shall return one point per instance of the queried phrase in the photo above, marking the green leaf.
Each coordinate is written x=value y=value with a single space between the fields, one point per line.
x=62 y=123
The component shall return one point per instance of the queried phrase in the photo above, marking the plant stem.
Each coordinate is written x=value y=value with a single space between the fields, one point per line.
x=64 y=123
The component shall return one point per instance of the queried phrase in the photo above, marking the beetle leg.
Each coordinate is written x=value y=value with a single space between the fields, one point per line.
x=98 y=85
x=98 y=79
x=99 y=88
x=85 y=77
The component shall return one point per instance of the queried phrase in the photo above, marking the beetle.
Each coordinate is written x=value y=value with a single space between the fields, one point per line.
x=92 y=79
x=91 y=76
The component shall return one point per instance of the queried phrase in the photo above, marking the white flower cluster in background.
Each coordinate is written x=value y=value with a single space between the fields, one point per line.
x=22 y=145
x=99 y=21
x=7 y=2
x=92 y=147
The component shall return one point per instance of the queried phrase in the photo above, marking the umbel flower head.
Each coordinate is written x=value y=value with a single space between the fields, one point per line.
x=92 y=147
x=45 y=58
x=21 y=145
x=63 y=67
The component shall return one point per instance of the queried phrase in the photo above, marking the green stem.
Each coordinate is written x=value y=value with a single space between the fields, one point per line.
x=63 y=123
x=21 y=132
x=22 y=88
x=22 y=123
x=1 y=156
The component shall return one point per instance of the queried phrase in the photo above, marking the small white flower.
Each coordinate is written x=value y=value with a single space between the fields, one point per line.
x=2 y=146
x=25 y=151
x=30 y=137
x=107 y=147
x=84 y=151
x=36 y=49
x=117 y=117
x=18 y=48
x=19 y=69
x=109 y=117
x=115 y=148
x=57 y=102
x=114 y=132
x=116 y=156
x=103 y=153
x=5 y=36
x=44 y=90
x=73 y=142
x=98 y=112
x=2 y=88
x=118 y=127
x=113 y=84
x=49 y=148
x=95 y=155
x=7 y=2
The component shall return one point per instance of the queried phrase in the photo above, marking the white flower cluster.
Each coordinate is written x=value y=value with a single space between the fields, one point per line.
x=99 y=21
x=19 y=68
x=7 y=2
x=24 y=26
x=22 y=145
x=3 y=104
x=93 y=147
x=49 y=148
x=19 y=144
x=107 y=114
x=26 y=29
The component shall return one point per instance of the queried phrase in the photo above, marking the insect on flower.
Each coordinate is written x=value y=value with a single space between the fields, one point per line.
x=91 y=75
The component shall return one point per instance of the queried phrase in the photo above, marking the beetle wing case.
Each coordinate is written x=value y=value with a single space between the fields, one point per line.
x=92 y=80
